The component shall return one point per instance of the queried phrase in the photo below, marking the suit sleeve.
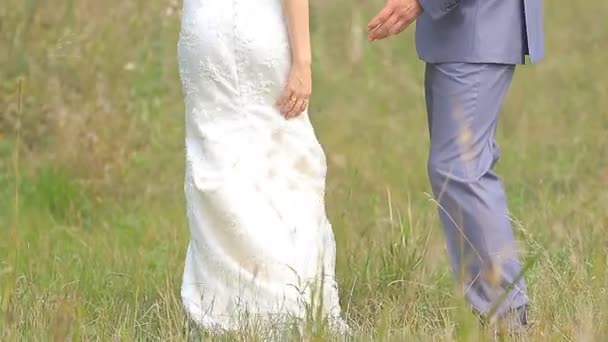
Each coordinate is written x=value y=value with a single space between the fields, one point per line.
x=437 y=9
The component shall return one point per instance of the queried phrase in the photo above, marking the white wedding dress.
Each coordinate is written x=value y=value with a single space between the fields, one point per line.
x=261 y=245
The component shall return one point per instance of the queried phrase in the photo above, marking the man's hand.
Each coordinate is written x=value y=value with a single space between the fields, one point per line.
x=393 y=18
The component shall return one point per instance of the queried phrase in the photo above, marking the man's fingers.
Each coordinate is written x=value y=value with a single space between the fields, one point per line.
x=385 y=30
x=400 y=26
x=380 y=18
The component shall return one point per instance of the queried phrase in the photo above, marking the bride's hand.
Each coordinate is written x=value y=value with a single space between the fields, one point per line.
x=294 y=99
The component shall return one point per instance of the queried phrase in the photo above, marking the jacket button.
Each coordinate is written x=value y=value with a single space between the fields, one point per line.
x=449 y=5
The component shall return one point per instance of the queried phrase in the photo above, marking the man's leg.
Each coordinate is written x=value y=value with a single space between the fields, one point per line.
x=463 y=103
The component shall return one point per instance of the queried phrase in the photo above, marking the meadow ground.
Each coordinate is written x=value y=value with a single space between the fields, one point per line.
x=92 y=223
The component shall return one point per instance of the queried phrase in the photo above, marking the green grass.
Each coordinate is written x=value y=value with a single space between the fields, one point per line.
x=92 y=221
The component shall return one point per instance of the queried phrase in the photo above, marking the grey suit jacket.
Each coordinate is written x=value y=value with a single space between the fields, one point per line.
x=480 y=31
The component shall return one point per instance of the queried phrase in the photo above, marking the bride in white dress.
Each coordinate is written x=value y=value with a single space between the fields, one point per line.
x=261 y=245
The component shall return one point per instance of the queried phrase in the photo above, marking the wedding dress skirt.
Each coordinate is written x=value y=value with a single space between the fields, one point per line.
x=261 y=245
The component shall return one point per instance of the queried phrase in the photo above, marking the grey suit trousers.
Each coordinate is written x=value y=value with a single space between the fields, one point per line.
x=463 y=103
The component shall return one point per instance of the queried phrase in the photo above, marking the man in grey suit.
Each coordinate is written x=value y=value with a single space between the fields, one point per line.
x=471 y=48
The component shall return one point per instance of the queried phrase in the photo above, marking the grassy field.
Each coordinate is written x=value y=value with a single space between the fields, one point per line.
x=92 y=223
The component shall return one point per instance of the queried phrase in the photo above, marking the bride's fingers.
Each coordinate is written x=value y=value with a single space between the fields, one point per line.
x=297 y=108
x=303 y=106
x=288 y=106
x=284 y=98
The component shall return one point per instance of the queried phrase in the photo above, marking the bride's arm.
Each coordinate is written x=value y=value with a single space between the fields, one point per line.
x=297 y=13
x=294 y=98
